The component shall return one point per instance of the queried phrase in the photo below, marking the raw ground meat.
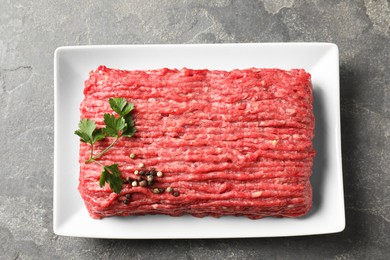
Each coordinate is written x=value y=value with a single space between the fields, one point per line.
x=231 y=143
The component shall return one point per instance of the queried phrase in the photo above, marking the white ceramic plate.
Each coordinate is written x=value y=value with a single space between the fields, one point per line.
x=71 y=68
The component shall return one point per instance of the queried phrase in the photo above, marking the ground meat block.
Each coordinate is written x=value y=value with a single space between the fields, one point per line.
x=229 y=143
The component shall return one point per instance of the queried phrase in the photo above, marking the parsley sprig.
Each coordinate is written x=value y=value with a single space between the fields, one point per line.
x=116 y=126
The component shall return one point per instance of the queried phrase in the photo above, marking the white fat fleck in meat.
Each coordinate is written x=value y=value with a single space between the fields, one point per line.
x=290 y=111
x=257 y=194
x=296 y=137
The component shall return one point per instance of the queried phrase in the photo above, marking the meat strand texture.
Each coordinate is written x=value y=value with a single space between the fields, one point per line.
x=233 y=143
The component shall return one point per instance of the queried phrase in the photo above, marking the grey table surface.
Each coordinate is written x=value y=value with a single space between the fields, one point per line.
x=30 y=31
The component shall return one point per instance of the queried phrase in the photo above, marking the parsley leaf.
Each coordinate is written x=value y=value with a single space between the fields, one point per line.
x=120 y=106
x=85 y=131
x=129 y=130
x=112 y=176
x=97 y=135
x=127 y=109
x=103 y=177
x=113 y=125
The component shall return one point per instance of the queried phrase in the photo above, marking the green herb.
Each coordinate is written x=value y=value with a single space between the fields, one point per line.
x=121 y=106
x=129 y=130
x=88 y=133
x=113 y=125
x=112 y=176
x=117 y=126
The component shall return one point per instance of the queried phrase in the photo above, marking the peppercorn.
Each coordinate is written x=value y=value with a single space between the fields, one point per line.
x=175 y=193
x=149 y=178
x=141 y=165
x=143 y=183
x=134 y=184
x=136 y=172
x=132 y=156
x=156 y=190
x=150 y=183
x=126 y=202
x=169 y=189
x=128 y=196
x=161 y=190
x=159 y=174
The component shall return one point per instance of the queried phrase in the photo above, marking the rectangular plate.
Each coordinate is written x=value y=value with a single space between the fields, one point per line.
x=71 y=68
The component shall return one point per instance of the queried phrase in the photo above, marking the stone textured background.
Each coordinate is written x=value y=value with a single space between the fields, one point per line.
x=30 y=31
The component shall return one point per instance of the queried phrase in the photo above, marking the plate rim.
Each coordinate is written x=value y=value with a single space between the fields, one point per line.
x=63 y=49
